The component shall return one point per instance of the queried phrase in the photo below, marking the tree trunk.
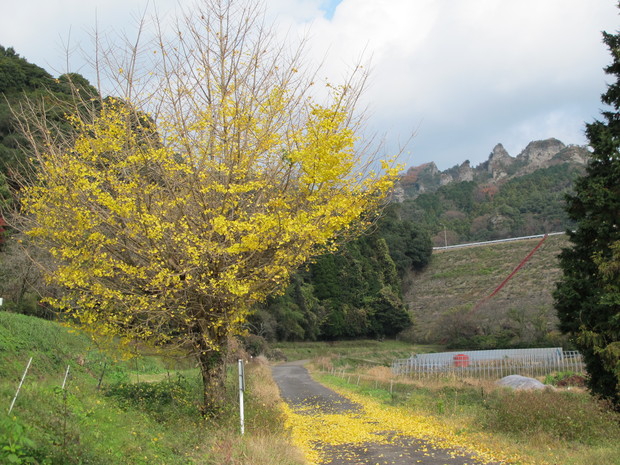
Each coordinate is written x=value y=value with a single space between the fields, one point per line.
x=213 y=369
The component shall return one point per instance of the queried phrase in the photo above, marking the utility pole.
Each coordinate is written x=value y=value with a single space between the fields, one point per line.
x=445 y=236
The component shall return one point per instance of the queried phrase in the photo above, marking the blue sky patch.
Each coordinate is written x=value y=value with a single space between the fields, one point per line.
x=329 y=7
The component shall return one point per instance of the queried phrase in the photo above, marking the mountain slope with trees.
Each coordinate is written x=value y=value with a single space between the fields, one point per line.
x=529 y=201
x=22 y=82
x=503 y=197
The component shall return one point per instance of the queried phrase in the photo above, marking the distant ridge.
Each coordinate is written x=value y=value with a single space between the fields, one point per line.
x=499 y=167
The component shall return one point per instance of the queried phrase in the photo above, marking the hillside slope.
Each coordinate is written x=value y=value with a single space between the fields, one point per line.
x=443 y=298
x=142 y=411
x=500 y=198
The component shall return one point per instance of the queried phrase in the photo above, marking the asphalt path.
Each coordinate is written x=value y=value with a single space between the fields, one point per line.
x=300 y=391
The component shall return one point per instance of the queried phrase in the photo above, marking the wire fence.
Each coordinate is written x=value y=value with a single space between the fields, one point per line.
x=490 y=363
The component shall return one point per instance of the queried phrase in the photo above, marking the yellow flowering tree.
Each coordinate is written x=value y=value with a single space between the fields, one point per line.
x=172 y=210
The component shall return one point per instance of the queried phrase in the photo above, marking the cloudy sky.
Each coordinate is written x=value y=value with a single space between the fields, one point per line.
x=462 y=75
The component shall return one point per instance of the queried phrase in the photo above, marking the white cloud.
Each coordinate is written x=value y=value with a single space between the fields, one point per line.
x=465 y=74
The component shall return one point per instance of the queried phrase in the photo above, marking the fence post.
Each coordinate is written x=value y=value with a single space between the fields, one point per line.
x=20 y=385
x=64 y=381
x=65 y=412
x=241 y=389
x=105 y=364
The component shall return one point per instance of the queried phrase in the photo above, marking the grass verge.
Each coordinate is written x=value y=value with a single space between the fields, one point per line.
x=142 y=413
x=560 y=426
x=346 y=354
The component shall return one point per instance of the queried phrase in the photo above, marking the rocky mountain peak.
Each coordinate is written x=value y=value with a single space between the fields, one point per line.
x=499 y=167
x=498 y=162
x=539 y=153
x=466 y=173
x=499 y=153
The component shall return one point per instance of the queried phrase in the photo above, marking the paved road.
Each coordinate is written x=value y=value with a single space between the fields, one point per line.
x=299 y=390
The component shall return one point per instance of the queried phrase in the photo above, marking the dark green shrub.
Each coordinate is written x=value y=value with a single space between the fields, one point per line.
x=565 y=378
x=255 y=345
x=160 y=399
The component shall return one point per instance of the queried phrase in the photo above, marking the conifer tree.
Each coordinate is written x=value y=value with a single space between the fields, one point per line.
x=587 y=297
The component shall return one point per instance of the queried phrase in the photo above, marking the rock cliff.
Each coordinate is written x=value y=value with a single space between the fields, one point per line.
x=498 y=168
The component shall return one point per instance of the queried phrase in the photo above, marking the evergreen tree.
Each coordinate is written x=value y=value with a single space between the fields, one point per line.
x=24 y=83
x=353 y=293
x=586 y=297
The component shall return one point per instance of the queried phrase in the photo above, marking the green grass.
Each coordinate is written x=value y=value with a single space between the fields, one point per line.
x=51 y=346
x=145 y=412
x=552 y=427
x=354 y=353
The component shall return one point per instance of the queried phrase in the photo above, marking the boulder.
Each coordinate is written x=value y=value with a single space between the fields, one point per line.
x=519 y=382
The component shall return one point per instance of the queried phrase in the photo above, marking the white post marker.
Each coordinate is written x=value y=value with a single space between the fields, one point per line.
x=20 y=385
x=64 y=381
x=241 y=389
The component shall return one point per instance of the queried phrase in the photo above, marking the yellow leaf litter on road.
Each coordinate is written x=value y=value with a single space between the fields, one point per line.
x=311 y=428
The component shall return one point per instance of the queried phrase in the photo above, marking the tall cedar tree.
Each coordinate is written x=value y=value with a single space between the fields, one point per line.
x=587 y=297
